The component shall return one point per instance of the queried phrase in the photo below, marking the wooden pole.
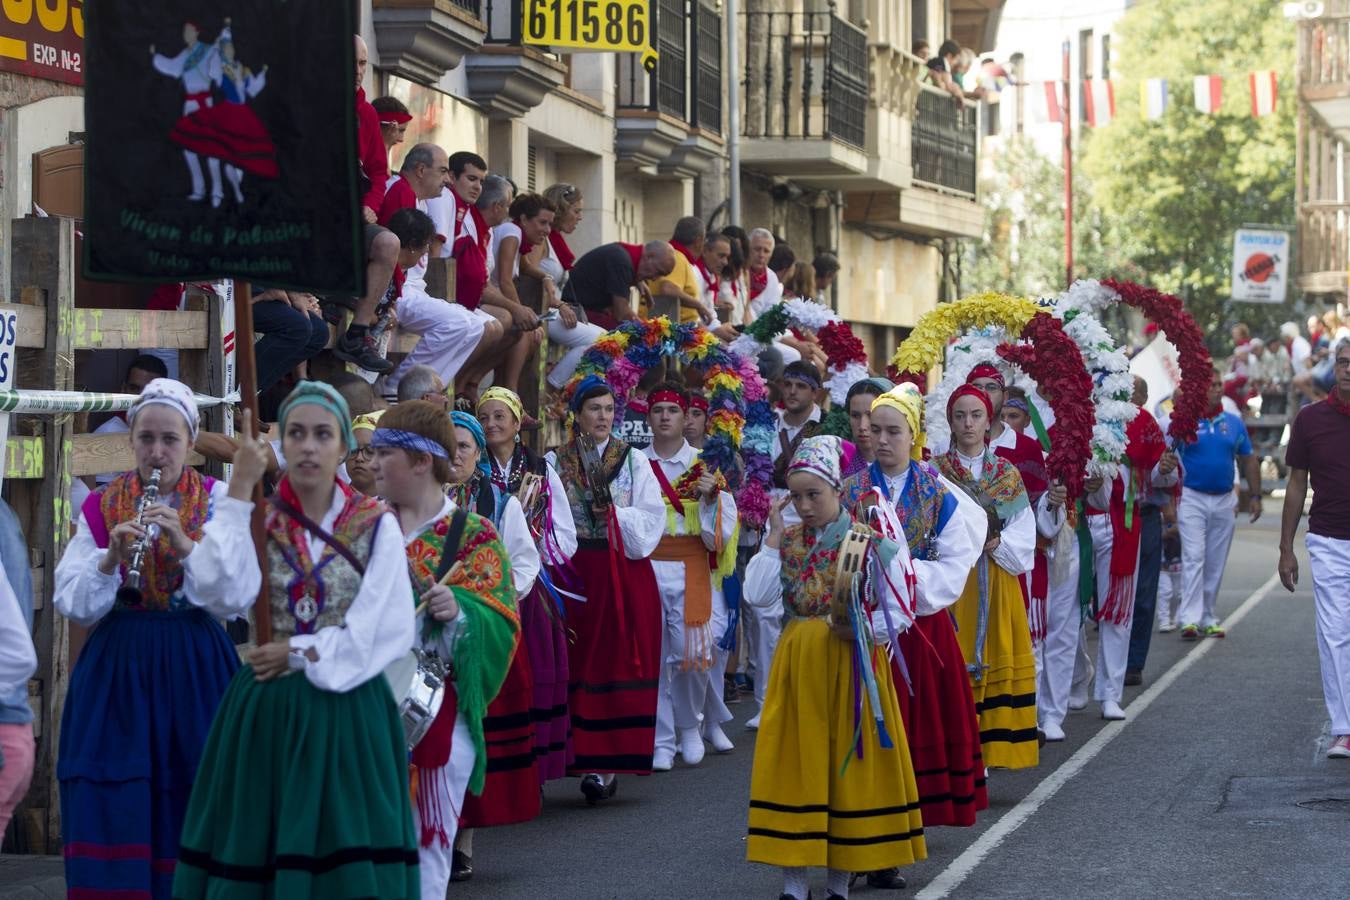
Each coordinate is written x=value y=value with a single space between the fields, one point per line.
x=248 y=389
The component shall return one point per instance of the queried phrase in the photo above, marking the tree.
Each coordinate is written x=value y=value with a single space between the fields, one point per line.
x=1171 y=191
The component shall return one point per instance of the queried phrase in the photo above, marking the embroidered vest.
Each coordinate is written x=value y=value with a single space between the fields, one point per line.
x=574 y=481
x=306 y=595
x=808 y=571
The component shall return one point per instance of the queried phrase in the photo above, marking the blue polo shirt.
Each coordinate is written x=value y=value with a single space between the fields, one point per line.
x=1208 y=463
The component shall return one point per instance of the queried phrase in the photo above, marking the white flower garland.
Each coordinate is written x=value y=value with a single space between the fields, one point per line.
x=1080 y=308
x=811 y=316
x=972 y=349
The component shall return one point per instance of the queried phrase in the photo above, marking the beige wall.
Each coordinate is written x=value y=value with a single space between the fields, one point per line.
x=890 y=282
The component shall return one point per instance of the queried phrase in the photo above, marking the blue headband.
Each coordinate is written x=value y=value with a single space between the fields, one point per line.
x=407 y=440
x=321 y=394
x=804 y=378
x=585 y=386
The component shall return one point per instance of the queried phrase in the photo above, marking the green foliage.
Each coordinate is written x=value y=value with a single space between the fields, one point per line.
x=1171 y=191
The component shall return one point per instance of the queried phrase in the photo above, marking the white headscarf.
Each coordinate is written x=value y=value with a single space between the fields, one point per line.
x=173 y=394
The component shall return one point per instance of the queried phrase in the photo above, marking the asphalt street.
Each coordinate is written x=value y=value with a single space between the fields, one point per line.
x=1215 y=786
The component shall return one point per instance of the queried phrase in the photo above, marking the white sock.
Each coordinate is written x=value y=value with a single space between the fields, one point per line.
x=836 y=881
x=794 y=881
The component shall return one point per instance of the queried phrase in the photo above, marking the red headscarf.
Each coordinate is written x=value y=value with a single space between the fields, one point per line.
x=969 y=390
x=985 y=370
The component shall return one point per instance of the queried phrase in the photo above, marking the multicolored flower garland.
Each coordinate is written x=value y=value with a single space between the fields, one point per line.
x=845 y=355
x=1191 y=402
x=739 y=416
x=1050 y=364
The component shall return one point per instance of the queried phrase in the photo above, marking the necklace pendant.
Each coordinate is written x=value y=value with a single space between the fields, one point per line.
x=306 y=609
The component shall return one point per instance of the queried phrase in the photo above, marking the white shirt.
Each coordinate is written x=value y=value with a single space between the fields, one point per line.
x=220 y=575
x=674 y=468
x=442 y=212
x=500 y=234
x=378 y=626
x=637 y=503
x=769 y=297
x=1016 y=550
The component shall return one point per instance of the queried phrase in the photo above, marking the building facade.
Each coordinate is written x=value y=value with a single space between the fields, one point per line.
x=1323 y=71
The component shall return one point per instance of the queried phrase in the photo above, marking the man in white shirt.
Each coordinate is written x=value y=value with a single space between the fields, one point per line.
x=686 y=562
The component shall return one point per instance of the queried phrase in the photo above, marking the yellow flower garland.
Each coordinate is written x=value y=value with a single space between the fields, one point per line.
x=926 y=345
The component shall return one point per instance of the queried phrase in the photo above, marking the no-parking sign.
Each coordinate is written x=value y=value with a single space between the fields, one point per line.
x=1260 y=265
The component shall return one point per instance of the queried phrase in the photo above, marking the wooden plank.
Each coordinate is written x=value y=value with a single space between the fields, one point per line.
x=97 y=454
x=131 y=329
x=31 y=323
x=24 y=455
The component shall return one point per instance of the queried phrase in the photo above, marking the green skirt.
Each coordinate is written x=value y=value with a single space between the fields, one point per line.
x=300 y=793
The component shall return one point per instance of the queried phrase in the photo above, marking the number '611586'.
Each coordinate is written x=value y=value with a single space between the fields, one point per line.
x=592 y=23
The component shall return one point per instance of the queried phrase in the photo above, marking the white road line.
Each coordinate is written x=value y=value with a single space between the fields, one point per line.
x=960 y=868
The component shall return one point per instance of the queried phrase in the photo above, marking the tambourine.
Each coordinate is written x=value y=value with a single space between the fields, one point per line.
x=852 y=552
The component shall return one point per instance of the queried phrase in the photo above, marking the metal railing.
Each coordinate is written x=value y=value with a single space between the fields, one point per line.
x=1324 y=237
x=473 y=7
x=805 y=77
x=665 y=90
x=944 y=141
x=705 y=72
x=503 y=19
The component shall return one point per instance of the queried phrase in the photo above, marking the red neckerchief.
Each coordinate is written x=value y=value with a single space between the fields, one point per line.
x=560 y=249
x=758 y=282
x=695 y=261
x=1335 y=402
x=1144 y=448
x=525 y=246
x=635 y=254
x=480 y=224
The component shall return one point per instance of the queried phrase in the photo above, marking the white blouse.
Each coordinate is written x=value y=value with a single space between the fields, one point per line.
x=378 y=626
x=637 y=503
x=220 y=575
x=562 y=544
x=1016 y=550
x=520 y=547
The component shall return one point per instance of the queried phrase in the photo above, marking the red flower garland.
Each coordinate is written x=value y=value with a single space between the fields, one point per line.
x=1052 y=358
x=1191 y=401
x=841 y=345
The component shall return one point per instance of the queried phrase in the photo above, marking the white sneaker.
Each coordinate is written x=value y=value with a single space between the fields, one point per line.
x=1166 y=625
x=1340 y=747
x=691 y=746
x=718 y=738
x=753 y=724
x=1111 y=711
x=1053 y=733
x=1077 y=702
x=663 y=760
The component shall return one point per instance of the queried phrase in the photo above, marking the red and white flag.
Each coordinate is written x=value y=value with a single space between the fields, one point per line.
x=1100 y=96
x=1048 y=106
x=1263 y=92
x=1208 y=93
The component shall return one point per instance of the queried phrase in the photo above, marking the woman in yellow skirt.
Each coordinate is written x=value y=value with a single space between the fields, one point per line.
x=832 y=785
x=991 y=617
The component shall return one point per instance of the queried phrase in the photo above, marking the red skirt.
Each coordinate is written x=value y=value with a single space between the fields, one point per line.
x=544 y=636
x=940 y=722
x=511 y=788
x=231 y=132
x=615 y=664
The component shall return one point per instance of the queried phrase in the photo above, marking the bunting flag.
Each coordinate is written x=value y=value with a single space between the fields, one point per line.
x=1263 y=92
x=1209 y=93
x=1053 y=113
x=1100 y=97
x=1152 y=98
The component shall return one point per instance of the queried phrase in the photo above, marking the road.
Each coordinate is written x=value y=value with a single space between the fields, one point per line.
x=1197 y=794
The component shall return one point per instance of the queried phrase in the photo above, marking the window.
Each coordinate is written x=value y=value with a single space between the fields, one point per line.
x=1106 y=56
x=918 y=22
x=1085 y=69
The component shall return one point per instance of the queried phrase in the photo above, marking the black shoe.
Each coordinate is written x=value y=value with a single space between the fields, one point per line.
x=1134 y=678
x=886 y=879
x=595 y=789
x=790 y=897
x=362 y=352
x=461 y=866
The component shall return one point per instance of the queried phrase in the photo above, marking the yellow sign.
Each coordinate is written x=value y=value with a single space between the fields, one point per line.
x=618 y=26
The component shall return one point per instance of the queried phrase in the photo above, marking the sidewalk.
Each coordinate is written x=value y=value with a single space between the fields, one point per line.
x=32 y=878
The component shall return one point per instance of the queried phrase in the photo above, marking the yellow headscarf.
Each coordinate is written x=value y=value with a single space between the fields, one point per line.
x=509 y=399
x=367 y=421
x=907 y=399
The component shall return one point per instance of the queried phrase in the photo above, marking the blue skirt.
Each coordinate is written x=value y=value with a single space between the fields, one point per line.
x=142 y=696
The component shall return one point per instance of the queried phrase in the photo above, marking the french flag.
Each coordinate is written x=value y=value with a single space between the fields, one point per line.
x=1100 y=94
x=1263 y=92
x=1152 y=98
x=1208 y=93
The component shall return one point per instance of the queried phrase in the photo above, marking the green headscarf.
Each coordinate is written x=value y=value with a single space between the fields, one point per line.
x=325 y=395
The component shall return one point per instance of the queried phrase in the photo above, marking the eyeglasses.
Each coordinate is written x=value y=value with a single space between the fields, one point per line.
x=365 y=454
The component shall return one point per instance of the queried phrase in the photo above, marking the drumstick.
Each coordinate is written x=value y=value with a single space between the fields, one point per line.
x=457 y=568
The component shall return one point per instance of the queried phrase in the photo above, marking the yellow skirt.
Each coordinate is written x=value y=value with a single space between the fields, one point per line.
x=803 y=812
x=1005 y=689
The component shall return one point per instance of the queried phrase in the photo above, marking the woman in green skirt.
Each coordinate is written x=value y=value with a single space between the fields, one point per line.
x=303 y=788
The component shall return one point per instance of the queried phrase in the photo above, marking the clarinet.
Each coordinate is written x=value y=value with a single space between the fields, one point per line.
x=129 y=594
x=597 y=485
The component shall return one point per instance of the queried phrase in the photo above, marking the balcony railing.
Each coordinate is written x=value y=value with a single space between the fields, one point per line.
x=943 y=142
x=687 y=83
x=706 y=70
x=1324 y=238
x=805 y=77
x=1324 y=46
x=473 y=7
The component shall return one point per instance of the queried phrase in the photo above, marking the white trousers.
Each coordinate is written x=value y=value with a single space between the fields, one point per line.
x=448 y=784
x=1063 y=625
x=1330 y=560
x=449 y=333
x=682 y=694
x=1113 y=641
x=1169 y=590
x=1206 y=522
x=577 y=340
